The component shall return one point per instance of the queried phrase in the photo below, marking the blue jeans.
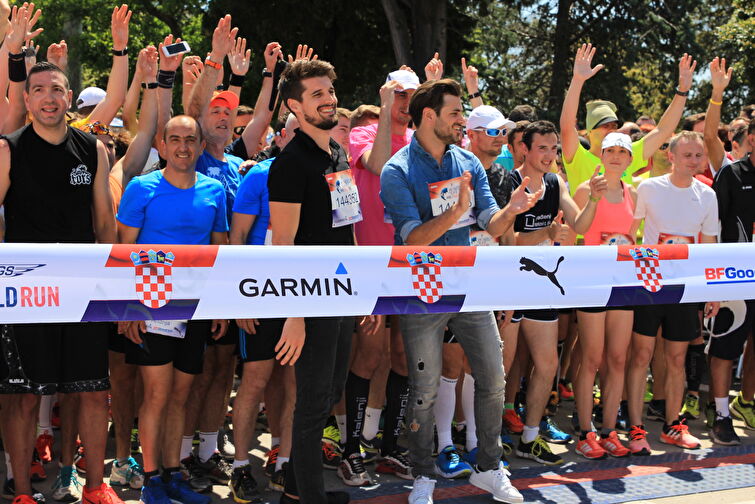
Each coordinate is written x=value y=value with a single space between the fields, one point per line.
x=423 y=342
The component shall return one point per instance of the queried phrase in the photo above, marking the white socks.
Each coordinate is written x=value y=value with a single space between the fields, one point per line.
x=208 y=445
x=444 y=408
x=341 y=421
x=186 y=446
x=371 y=423
x=45 y=414
x=467 y=404
x=722 y=407
x=530 y=433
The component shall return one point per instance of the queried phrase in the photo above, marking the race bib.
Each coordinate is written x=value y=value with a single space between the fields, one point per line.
x=172 y=328
x=344 y=198
x=672 y=239
x=444 y=194
x=615 y=239
x=545 y=243
x=753 y=232
x=482 y=238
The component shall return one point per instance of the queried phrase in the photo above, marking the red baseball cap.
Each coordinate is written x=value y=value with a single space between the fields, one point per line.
x=225 y=99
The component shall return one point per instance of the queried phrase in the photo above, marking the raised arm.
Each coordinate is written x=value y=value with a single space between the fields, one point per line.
x=262 y=113
x=102 y=206
x=117 y=83
x=434 y=68
x=581 y=219
x=131 y=104
x=719 y=79
x=57 y=54
x=21 y=28
x=166 y=78
x=375 y=158
x=582 y=71
x=472 y=82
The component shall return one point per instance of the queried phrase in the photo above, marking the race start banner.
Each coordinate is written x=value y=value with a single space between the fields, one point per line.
x=72 y=283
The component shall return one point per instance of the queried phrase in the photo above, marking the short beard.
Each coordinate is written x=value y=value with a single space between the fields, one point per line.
x=323 y=124
x=446 y=138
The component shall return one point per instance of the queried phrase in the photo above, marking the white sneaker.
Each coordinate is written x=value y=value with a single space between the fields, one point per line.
x=496 y=481
x=422 y=491
x=67 y=487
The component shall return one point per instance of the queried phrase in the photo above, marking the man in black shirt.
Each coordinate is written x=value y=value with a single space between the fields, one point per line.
x=54 y=184
x=300 y=183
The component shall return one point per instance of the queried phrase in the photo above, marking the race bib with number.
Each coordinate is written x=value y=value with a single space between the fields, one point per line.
x=344 y=198
x=481 y=238
x=753 y=232
x=444 y=194
x=172 y=328
x=615 y=239
x=672 y=239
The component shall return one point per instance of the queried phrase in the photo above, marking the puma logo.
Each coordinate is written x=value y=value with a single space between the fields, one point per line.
x=530 y=265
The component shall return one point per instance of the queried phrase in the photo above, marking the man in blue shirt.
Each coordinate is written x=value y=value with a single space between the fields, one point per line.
x=424 y=187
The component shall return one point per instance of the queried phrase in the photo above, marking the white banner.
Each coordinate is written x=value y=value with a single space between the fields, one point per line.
x=71 y=283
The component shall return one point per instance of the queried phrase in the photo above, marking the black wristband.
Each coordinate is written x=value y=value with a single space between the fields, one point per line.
x=122 y=52
x=149 y=85
x=166 y=78
x=17 y=56
x=237 y=80
x=220 y=87
x=266 y=73
x=685 y=93
x=475 y=95
x=16 y=70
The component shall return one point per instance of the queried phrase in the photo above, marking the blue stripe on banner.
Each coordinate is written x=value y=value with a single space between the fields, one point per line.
x=730 y=282
x=404 y=305
x=105 y=311
x=637 y=295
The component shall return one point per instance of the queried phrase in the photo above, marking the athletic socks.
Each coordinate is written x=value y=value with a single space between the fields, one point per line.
x=186 y=446
x=371 y=422
x=45 y=414
x=444 y=411
x=530 y=433
x=357 y=391
x=695 y=366
x=722 y=407
x=396 y=397
x=467 y=404
x=208 y=445
x=341 y=422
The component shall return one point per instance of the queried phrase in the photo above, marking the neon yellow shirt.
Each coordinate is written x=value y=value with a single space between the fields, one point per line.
x=583 y=165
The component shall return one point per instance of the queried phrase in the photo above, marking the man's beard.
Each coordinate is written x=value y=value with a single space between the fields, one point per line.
x=322 y=123
x=447 y=136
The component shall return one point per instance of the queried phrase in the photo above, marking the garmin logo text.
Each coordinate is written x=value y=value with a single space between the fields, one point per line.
x=322 y=286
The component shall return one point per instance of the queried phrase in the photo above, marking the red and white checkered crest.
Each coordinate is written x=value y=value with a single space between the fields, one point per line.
x=154 y=286
x=648 y=267
x=426 y=280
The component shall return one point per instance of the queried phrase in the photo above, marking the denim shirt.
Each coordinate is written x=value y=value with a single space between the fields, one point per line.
x=404 y=191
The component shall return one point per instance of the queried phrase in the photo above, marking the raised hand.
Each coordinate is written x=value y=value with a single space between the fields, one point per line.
x=21 y=25
x=273 y=52
x=191 y=67
x=119 y=26
x=303 y=52
x=720 y=76
x=223 y=39
x=598 y=184
x=146 y=65
x=57 y=54
x=239 y=57
x=470 y=76
x=686 y=72
x=521 y=200
x=169 y=63
x=583 y=68
x=434 y=68
x=388 y=93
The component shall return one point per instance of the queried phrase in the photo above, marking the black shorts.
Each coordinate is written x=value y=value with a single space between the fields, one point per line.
x=116 y=342
x=601 y=309
x=186 y=354
x=231 y=336
x=548 y=315
x=449 y=336
x=48 y=358
x=261 y=345
x=679 y=321
x=731 y=328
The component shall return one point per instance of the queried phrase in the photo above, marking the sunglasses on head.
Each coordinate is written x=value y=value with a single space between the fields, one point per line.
x=239 y=129
x=97 y=128
x=493 y=132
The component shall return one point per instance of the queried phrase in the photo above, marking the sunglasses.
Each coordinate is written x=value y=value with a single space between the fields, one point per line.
x=97 y=128
x=664 y=146
x=239 y=129
x=493 y=132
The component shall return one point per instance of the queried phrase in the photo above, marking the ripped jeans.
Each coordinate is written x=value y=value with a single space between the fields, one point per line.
x=477 y=333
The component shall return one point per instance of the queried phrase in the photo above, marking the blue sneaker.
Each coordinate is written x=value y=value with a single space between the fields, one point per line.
x=507 y=442
x=471 y=458
x=551 y=433
x=449 y=464
x=180 y=490
x=155 y=491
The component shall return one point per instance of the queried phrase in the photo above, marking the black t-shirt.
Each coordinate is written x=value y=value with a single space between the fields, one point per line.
x=735 y=190
x=545 y=210
x=500 y=182
x=50 y=194
x=237 y=148
x=298 y=176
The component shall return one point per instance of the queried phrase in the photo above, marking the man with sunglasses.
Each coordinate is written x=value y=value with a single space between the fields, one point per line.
x=244 y=114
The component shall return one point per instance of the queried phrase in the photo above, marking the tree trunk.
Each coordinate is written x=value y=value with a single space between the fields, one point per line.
x=399 y=32
x=561 y=56
x=72 y=34
x=429 y=30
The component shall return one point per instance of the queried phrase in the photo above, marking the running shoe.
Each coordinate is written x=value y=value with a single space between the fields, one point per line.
x=198 y=480
x=37 y=471
x=691 y=407
x=155 y=492
x=612 y=445
x=422 y=491
x=104 y=494
x=272 y=459
x=370 y=448
x=622 y=419
x=243 y=486
x=496 y=481
x=638 y=442
x=552 y=407
x=507 y=442
x=331 y=433
x=657 y=410
x=278 y=480
x=44 y=447
x=79 y=459
x=565 y=390
x=331 y=455
x=648 y=392
x=723 y=432
x=136 y=447
x=179 y=489
x=450 y=464
x=710 y=414
x=352 y=472
x=67 y=487
x=590 y=448
x=37 y=498
x=128 y=473
x=677 y=434
x=539 y=451
x=743 y=410
x=471 y=458
x=395 y=463
x=225 y=446
x=551 y=432
x=512 y=422
x=216 y=469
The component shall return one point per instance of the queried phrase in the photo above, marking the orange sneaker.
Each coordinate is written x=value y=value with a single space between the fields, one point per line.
x=612 y=445
x=28 y=499
x=638 y=442
x=565 y=390
x=677 y=434
x=37 y=472
x=590 y=447
x=103 y=494
x=44 y=447
x=512 y=422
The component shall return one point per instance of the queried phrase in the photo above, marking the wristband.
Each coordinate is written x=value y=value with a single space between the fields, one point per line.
x=266 y=73
x=212 y=64
x=717 y=103
x=166 y=78
x=475 y=95
x=220 y=87
x=122 y=52
x=17 y=56
x=236 y=80
x=149 y=85
x=593 y=199
x=17 y=69
x=681 y=93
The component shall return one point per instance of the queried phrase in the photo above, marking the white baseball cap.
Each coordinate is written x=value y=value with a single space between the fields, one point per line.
x=90 y=97
x=486 y=117
x=407 y=79
x=616 y=139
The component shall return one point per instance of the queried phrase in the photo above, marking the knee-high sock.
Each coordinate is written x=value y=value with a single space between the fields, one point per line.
x=444 y=411
x=695 y=366
x=396 y=397
x=467 y=404
x=45 y=414
x=357 y=392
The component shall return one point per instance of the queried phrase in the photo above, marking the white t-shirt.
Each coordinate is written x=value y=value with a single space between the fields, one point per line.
x=676 y=211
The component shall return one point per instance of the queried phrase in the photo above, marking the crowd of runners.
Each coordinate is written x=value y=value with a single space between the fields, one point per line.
x=432 y=165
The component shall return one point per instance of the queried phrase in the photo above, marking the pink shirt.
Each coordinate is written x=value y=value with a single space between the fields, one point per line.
x=372 y=230
x=610 y=219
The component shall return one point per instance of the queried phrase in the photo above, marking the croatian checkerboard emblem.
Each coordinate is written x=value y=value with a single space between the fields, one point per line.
x=648 y=267
x=426 y=280
x=153 y=277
